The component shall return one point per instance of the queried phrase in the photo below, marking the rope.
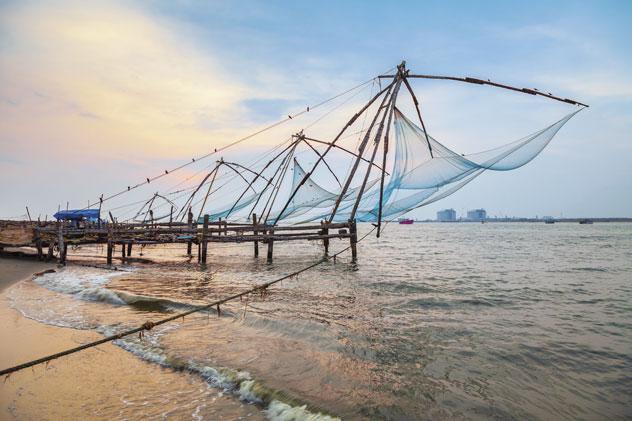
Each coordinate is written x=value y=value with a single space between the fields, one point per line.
x=148 y=180
x=148 y=325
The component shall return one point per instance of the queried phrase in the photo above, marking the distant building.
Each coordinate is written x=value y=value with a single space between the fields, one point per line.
x=477 y=215
x=446 y=215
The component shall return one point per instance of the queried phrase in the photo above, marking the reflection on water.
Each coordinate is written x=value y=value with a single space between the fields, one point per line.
x=435 y=320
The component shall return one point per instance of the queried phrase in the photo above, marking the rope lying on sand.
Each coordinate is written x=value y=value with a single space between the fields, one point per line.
x=148 y=325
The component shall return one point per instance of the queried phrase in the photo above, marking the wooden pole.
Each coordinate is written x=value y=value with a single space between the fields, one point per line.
x=204 y=241
x=60 y=243
x=477 y=81
x=292 y=144
x=190 y=221
x=386 y=142
x=349 y=124
x=270 y=245
x=110 y=246
x=28 y=213
x=423 y=126
x=325 y=231
x=353 y=240
x=129 y=249
x=51 y=245
x=363 y=144
x=122 y=252
x=254 y=232
x=38 y=243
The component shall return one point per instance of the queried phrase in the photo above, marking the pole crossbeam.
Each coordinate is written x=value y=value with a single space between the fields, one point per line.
x=477 y=81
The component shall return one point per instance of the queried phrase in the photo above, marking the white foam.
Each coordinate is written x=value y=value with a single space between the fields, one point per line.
x=73 y=280
x=280 y=411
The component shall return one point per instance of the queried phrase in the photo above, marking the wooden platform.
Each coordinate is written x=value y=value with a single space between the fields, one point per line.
x=56 y=237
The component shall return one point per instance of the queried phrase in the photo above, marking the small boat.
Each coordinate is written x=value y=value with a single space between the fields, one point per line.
x=586 y=221
x=549 y=221
x=405 y=221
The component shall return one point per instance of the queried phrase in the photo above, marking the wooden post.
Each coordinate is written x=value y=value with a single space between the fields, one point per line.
x=51 y=245
x=28 y=213
x=122 y=252
x=254 y=231
x=270 y=245
x=110 y=245
x=325 y=231
x=60 y=243
x=190 y=221
x=38 y=243
x=204 y=235
x=353 y=240
x=129 y=249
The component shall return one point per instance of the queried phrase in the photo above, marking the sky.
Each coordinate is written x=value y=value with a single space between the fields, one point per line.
x=95 y=96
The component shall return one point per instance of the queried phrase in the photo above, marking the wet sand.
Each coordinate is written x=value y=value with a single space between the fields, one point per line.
x=98 y=383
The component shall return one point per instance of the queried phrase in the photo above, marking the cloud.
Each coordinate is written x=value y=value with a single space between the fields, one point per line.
x=108 y=73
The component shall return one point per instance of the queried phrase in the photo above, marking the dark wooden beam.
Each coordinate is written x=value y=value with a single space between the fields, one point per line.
x=477 y=81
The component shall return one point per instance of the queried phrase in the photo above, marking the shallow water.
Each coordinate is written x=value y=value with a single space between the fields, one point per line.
x=435 y=320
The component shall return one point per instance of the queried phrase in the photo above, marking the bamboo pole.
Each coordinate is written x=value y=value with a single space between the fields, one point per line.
x=378 y=136
x=190 y=222
x=353 y=240
x=292 y=144
x=365 y=140
x=254 y=232
x=423 y=126
x=204 y=237
x=477 y=81
x=270 y=245
x=349 y=124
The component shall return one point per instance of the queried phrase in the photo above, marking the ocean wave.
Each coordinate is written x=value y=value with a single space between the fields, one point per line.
x=90 y=285
x=278 y=406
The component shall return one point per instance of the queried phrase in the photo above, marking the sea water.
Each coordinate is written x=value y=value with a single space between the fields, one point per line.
x=454 y=320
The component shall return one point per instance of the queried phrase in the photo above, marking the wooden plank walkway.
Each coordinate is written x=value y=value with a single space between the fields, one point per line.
x=59 y=235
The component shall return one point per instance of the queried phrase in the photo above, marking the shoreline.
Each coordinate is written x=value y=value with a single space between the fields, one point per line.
x=104 y=382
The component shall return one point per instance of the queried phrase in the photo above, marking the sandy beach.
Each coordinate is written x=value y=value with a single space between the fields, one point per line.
x=103 y=382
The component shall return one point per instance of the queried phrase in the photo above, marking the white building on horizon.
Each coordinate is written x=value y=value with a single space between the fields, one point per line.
x=477 y=215
x=446 y=215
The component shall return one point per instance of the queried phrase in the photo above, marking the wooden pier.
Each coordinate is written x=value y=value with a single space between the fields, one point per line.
x=57 y=236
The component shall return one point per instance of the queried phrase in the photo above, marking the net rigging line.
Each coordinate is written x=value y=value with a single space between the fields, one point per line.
x=252 y=164
x=148 y=180
x=148 y=325
x=231 y=176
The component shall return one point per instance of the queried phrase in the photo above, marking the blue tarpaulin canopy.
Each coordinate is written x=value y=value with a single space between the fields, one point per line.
x=78 y=215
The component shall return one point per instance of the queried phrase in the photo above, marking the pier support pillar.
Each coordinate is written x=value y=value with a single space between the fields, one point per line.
x=129 y=249
x=60 y=243
x=110 y=251
x=49 y=255
x=189 y=243
x=123 y=252
x=204 y=238
x=270 y=246
x=325 y=231
x=353 y=240
x=38 y=244
x=255 y=232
